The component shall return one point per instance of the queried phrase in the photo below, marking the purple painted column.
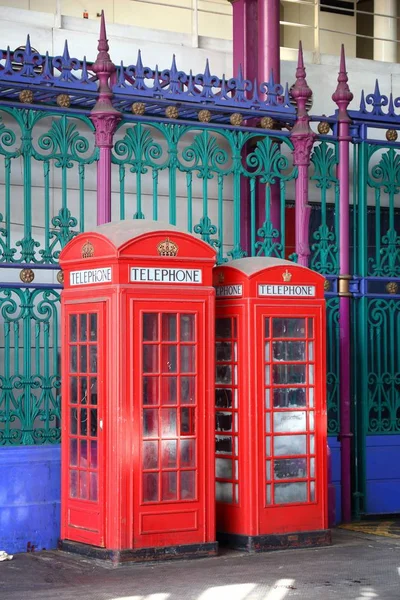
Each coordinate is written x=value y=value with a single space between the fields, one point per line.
x=105 y=119
x=342 y=97
x=303 y=139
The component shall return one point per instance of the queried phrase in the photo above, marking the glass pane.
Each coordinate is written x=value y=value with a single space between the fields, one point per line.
x=267 y=398
x=223 y=444
x=188 y=390
x=150 y=390
x=168 y=327
x=187 y=359
x=267 y=374
x=93 y=454
x=73 y=390
x=93 y=327
x=267 y=446
x=169 y=454
x=266 y=327
x=187 y=328
x=287 y=374
x=223 y=328
x=83 y=485
x=223 y=492
x=150 y=455
x=310 y=373
x=312 y=444
x=223 y=351
x=289 y=398
x=73 y=484
x=268 y=470
x=73 y=364
x=93 y=487
x=312 y=467
x=74 y=421
x=169 y=487
x=84 y=421
x=312 y=491
x=223 y=421
x=223 y=374
x=268 y=423
x=223 y=398
x=83 y=458
x=289 y=421
x=73 y=452
x=150 y=487
x=268 y=494
x=150 y=359
x=311 y=351
x=290 y=468
x=267 y=352
x=311 y=420
x=187 y=453
x=290 y=444
x=93 y=359
x=311 y=397
x=290 y=351
x=150 y=327
x=310 y=327
x=169 y=390
x=73 y=328
x=168 y=422
x=187 y=421
x=290 y=492
x=150 y=422
x=93 y=390
x=287 y=328
x=83 y=392
x=168 y=359
x=83 y=359
x=187 y=486
x=83 y=328
x=223 y=468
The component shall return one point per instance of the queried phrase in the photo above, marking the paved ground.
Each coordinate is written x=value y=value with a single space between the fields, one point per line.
x=358 y=566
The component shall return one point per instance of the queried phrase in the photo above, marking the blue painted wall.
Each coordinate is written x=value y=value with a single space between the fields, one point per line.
x=334 y=446
x=29 y=497
x=383 y=474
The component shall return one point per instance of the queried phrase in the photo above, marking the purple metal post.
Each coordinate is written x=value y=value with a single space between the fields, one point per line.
x=303 y=139
x=105 y=119
x=342 y=97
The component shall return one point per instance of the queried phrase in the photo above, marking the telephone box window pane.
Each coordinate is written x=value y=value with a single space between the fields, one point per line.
x=150 y=327
x=93 y=422
x=289 y=351
x=73 y=328
x=267 y=352
x=169 y=454
x=223 y=468
x=169 y=390
x=290 y=444
x=288 y=328
x=83 y=485
x=188 y=483
x=83 y=359
x=312 y=491
x=83 y=395
x=223 y=374
x=150 y=359
x=93 y=454
x=223 y=492
x=223 y=445
x=93 y=327
x=268 y=494
x=187 y=359
x=311 y=397
x=150 y=455
x=310 y=328
x=73 y=365
x=312 y=467
x=84 y=420
x=168 y=422
x=223 y=398
x=310 y=373
x=150 y=487
x=188 y=390
x=150 y=422
x=187 y=421
x=168 y=359
x=187 y=453
x=168 y=327
x=289 y=398
x=267 y=398
x=187 y=328
x=268 y=423
x=169 y=486
x=289 y=374
x=74 y=421
x=266 y=327
x=290 y=468
x=223 y=328
x=150 y=390
x=223 y=351
x=93 y=359
x=312 y=444
x=223 y=421
x=285 y=493
x=93 y=390
x=93 y=487
x=73 y=452
x=311 y=420
x=73 y=390
x=83 y=328
x=288 y=421
x=73 y=484
x=311 y=351
x=83 y=459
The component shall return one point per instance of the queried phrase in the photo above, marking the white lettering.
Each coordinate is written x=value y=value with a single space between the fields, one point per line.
x=163 y=275
x=90 y=276
x=286 y=290
x=228 y=291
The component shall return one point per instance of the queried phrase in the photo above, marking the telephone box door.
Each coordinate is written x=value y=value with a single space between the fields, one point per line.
x=82 y=446
x=291 y=418
x=168 y=347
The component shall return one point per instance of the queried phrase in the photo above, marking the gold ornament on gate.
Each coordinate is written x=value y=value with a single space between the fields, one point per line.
x=324 y=128
x=63 y=100
x=87 y=250
x=138 y=108
x=172 y=112
x=26 y=96
x=27 y=275
x=267 y=123
x=236 y=119
x=286 y=276
x=204 y=116
x=167 y=248
x=327 y=285
x=60 y=277
x=391 y=135
x=392 y=287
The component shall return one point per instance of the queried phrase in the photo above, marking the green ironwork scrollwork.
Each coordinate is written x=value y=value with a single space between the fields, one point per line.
x=333 y=374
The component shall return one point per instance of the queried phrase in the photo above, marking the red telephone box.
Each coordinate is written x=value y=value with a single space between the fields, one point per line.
x=137 y=393
x=271 y=465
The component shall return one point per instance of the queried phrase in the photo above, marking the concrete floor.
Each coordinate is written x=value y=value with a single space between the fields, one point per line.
x=357 y=566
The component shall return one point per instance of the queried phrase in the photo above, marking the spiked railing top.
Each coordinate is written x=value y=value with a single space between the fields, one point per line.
x=342 y=95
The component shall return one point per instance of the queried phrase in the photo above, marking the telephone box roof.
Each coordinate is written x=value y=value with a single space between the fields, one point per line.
x=252 y=265
x=119 y=232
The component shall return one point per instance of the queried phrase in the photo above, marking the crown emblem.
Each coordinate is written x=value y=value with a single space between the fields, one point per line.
x=221 y=278
x=167 y=248
x=87 y=250
x=286 y=276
